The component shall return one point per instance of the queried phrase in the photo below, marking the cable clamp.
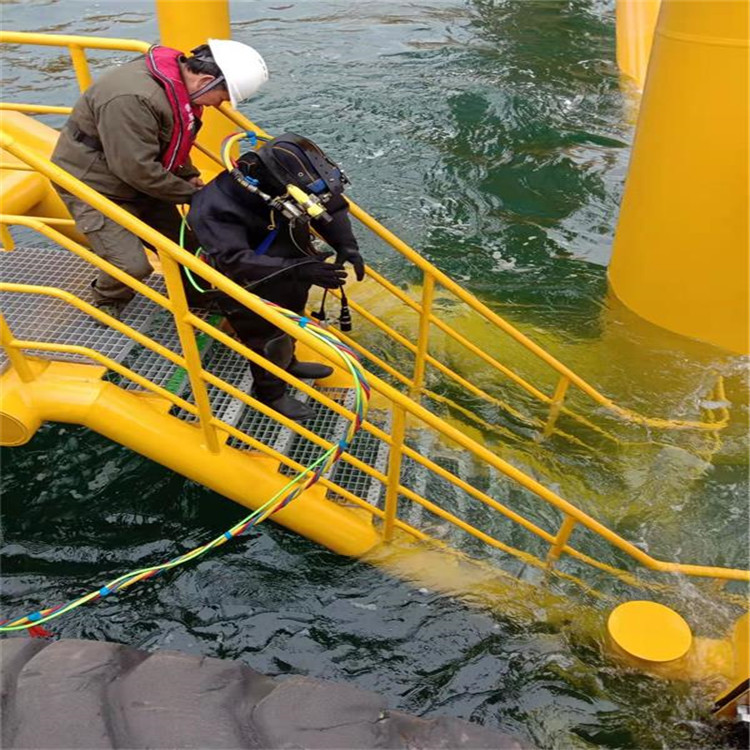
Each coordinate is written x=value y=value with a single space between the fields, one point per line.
x=303 y=322
x=34 y=616
x=104 y=591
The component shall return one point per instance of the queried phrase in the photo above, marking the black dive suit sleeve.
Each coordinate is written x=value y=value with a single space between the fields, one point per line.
x=338 y=232
x=222 y=224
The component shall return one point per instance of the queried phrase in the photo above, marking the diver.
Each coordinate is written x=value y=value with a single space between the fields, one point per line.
x=254 y=225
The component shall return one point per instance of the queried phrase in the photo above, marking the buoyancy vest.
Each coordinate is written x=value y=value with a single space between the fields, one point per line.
x=163 y=64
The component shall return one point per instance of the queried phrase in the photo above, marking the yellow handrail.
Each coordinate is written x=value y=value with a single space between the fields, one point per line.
x=431 y=275
x=171 y=252
x=171 y=256
x=14 y=347
x=436 y=276
x=77 y=46
x=36 y=109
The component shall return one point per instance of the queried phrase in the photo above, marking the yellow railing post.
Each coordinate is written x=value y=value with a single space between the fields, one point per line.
x=15 y=355
x=173 y=278
x=394 y=471
x=80 y=65
x=6 y=237
x=719 y=394
x=556 y=404
x=428 y=292
x=563 y=534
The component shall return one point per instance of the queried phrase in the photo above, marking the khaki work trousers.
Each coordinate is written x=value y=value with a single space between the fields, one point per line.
x=120 y=247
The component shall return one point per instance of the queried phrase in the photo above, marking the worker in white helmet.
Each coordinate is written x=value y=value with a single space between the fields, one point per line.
x=129 y=137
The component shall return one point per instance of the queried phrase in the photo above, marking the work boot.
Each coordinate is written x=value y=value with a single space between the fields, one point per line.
x=113 y=308
x=292 y=408
x=309 y=370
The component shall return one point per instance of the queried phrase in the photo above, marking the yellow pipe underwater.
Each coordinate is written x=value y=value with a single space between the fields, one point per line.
x=738 y=692
x=680 y=256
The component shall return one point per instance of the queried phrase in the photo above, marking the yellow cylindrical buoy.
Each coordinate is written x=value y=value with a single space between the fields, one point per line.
x=680 y=257
x=649 y=631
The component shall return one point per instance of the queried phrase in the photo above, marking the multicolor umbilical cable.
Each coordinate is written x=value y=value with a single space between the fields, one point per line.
x=304 y=480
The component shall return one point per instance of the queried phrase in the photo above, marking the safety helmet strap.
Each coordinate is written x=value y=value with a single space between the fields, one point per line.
x=210 y=86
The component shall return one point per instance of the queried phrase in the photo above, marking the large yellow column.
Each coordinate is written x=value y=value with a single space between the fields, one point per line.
x=185 y=25
x=680 y=257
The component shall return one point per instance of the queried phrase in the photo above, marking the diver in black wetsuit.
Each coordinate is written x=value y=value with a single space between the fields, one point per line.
x=252 y=231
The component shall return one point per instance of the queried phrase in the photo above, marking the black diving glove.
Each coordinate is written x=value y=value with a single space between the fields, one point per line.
x=351 y=255
x=318 y=273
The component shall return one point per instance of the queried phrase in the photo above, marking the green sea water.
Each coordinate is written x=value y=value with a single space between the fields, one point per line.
x=494 y=137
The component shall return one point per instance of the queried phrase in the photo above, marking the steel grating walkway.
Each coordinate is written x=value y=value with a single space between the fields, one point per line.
x=41 y=318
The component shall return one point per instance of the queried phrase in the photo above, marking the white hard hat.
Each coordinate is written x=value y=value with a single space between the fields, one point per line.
x=243 y=68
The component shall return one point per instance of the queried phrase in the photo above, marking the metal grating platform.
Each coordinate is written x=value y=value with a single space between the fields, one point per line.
x=332 y=426
x=262 y=428
x=327 y=424
x=368 y=449
x=40 y=318
x=226 y=364
x=158 y=369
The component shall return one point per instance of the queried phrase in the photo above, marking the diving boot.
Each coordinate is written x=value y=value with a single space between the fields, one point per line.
x=292 y=408
x=309 y=370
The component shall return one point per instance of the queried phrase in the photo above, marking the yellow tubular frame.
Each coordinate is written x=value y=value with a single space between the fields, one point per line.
x=216 y=431
x=431 y=275
x=172 y=256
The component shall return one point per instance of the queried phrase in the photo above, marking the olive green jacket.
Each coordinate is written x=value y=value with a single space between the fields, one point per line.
x=129 y=113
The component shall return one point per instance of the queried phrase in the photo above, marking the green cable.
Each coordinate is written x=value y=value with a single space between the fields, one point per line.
x=188 y=272
x=202 y=340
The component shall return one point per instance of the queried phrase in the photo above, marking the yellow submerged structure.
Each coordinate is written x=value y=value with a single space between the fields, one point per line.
x=172 y=384
x=680 y=257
